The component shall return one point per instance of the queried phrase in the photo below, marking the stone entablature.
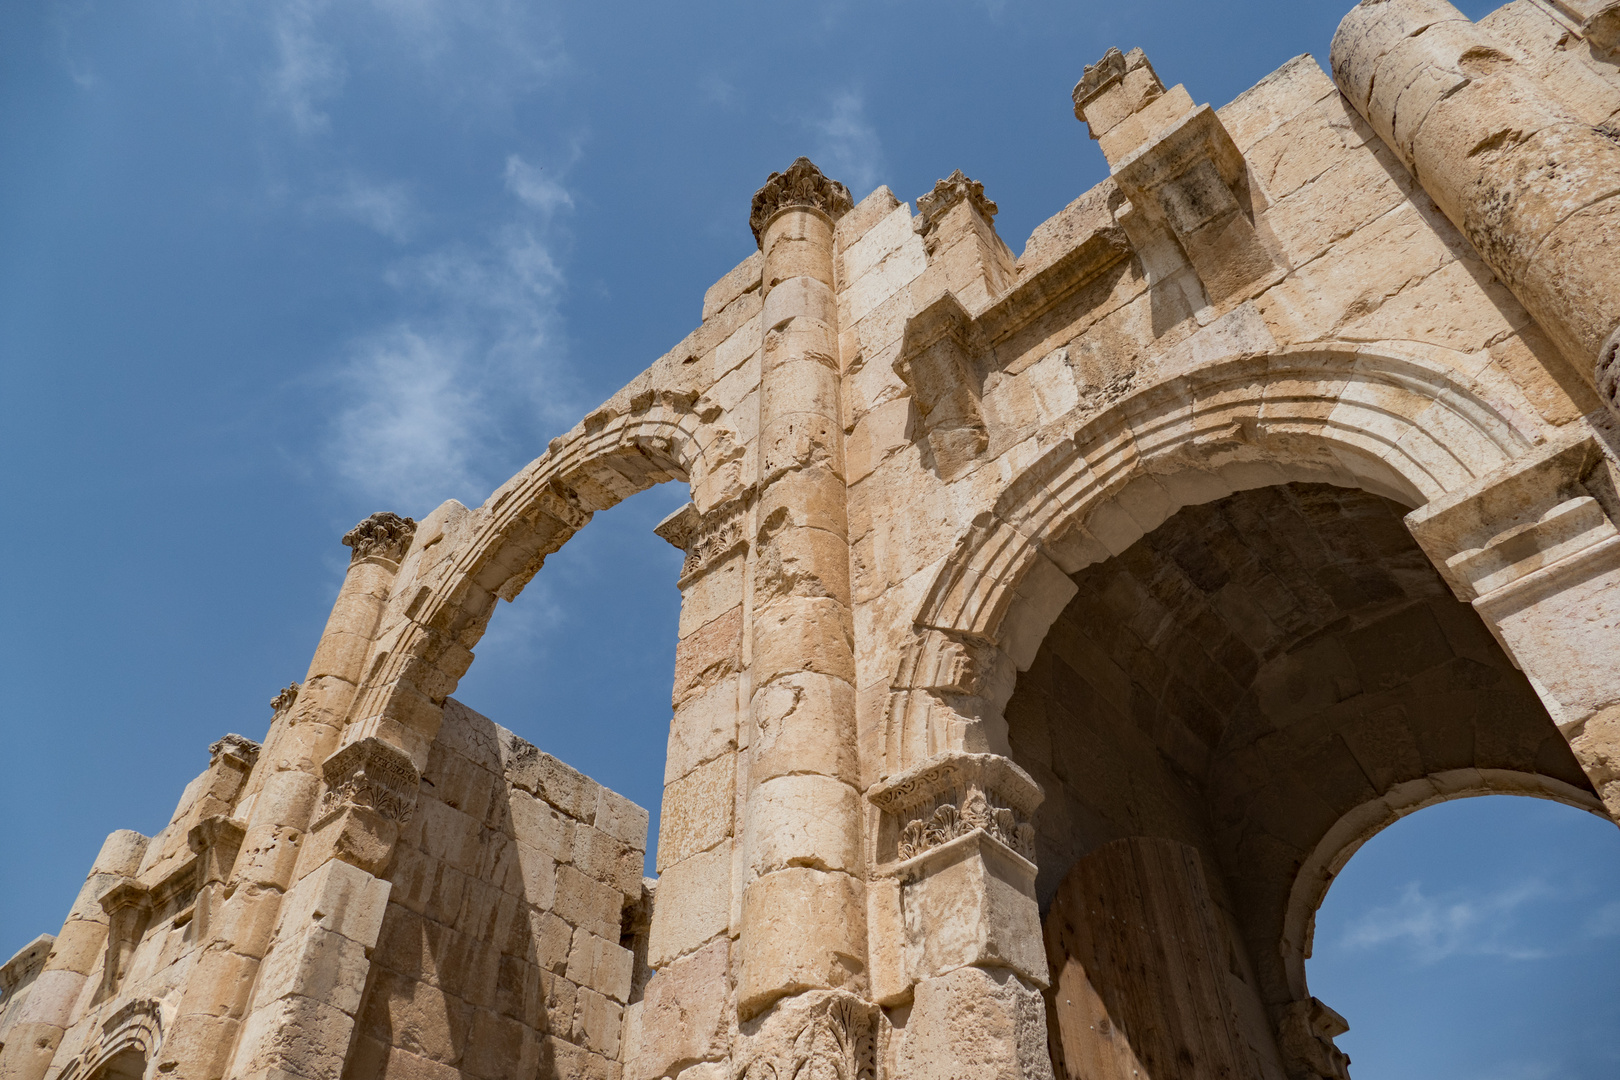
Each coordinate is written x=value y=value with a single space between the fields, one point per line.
x=913 y=457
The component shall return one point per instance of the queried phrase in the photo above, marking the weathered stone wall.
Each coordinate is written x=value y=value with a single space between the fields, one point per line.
x=507 y=946
x=968 y=530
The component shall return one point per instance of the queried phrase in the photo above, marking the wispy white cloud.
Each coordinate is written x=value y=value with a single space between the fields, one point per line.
x=1604 y=921
x=848 y=147
x=431 y=402
x=1431 y=929
x=308 y=67
x=386 y=208
x=482 y=51
x=536 y=189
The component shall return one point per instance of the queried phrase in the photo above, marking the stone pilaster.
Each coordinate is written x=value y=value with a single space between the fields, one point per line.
x=803 y=904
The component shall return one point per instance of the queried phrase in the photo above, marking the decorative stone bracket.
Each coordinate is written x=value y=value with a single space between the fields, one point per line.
x=956 y=881
x=371 y=790
x=128 y=905
x=706 y=538
x=1534 y=547
x=936 y=364
x=1192 y=179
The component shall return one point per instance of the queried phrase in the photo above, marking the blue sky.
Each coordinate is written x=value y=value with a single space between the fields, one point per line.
x=243 y=246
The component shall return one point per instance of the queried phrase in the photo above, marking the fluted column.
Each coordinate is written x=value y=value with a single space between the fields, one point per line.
x=1533 y=188
x=803 y=922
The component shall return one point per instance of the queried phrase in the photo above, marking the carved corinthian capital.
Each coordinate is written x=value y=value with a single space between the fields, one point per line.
x=372 y=775
x=385 y=534
x=802 y=184
x=947 y=193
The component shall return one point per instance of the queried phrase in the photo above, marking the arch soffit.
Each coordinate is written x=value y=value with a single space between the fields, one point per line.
x=1349 y=833
x=443 y=598
x=1406 y=425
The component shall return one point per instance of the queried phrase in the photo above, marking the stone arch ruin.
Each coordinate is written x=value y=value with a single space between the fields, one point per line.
x=1054 y=626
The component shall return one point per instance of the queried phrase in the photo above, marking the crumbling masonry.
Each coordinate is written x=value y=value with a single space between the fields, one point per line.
x=1054 y=626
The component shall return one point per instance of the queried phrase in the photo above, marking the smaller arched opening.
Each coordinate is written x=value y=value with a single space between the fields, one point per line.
x=126 y=1064
x=1477 y=938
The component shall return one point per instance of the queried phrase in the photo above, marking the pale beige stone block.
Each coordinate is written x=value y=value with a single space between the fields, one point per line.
x=588 y=904
x=540 y=826
x=976 y=1022
x=803 y=633
x=621 y=819
x=539 y=875
x=610 y=861
x=596 y=1022
x=600 y=964
x=804 y=723
x=551 y=938
x=717 y=590
x=693 y=906
x=803 y=820
x=803 y=929
x=972 y=902
x=684 y=1013
x=320 y=965
x=697 y=811
x=704 y=727
x=340 y=898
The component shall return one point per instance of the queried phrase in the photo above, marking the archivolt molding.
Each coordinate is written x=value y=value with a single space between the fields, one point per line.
x=1409 y=427
x=136 y=1025
x=1347 y=835
x=444 y=597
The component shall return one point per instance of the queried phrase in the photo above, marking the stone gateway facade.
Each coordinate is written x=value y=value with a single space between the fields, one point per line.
x=1055 y=625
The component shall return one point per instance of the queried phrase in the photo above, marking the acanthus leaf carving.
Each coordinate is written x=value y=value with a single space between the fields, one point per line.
x=819 y=1036
x=384 y=535
x=800 y=184
x=954 y=189
x=370 y=774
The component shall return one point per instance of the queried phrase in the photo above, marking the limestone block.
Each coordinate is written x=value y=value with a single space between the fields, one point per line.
x=458 y=783
x=694 y=904
x=802 y=723
x=799 y=297
x=713 y=593
x=795 y=562
x=708 y=655
x=811 y=498
x=596 y=1022
x=1042 y=593
x=740 y=279
x=540 y=774
x=551 y=938
x=297 y=1036
x=621 y=819
x=609 y=861
x=588 y=904
x=684 y=1013
x=321 y=965
x=704 y=727
x=975 y=1022
x=602 y=965
x=803 y=633
x=493 y=1046
x=803 y=820
x=340 y=898
x=541 y=826
x=972 y=901
x=697 y=811
x=886 y=942
x=803 y=929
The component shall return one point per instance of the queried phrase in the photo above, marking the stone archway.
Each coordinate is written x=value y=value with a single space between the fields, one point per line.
x=1407 y=426
x=1263 y=681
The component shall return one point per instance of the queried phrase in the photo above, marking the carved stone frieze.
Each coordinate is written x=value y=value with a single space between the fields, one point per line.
x=372 y=775
x=706 y=538
x=800 y=184
x=829 y=1035
x=951 y=795
x=955 y=188
x=385 y=535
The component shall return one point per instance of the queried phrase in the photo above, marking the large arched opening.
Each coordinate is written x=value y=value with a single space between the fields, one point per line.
x=1257 y=682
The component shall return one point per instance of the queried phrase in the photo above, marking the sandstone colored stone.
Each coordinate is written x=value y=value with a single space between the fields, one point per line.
x=683 y=1017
